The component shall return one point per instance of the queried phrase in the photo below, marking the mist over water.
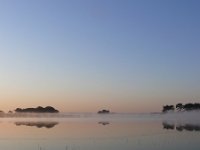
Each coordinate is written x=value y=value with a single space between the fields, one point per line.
x=183 y=117
x=190 y=116
x=91 y=131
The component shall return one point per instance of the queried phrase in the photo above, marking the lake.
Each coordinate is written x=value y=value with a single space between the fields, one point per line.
x=101 y=132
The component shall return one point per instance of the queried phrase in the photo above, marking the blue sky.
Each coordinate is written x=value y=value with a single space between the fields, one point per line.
x=129 y=56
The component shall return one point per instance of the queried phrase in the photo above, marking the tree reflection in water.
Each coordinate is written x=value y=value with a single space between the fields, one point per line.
x=37 y=124
x=104 y=123
x=181 y=127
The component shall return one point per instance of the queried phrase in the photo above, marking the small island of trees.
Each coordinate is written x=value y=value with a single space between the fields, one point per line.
x=104 y=111
x=39 y=109
x=181 y=107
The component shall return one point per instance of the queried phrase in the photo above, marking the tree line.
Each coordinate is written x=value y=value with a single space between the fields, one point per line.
x=39 y=109
x=181 y=107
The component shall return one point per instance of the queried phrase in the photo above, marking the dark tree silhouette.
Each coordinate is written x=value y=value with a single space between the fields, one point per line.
x=179 y=106
x=196 y=106
x=39 y=109
x=167 y=108
x=104 y=111
x=188 y=106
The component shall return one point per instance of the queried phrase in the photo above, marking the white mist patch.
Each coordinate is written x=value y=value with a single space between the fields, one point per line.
x=191 y=117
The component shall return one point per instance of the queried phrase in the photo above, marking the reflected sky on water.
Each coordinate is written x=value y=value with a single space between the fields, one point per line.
x=97 y=134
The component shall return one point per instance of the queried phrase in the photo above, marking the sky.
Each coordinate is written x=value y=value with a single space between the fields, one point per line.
x=86 y=55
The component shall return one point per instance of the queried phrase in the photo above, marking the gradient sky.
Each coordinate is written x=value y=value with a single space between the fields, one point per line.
x=85 y=55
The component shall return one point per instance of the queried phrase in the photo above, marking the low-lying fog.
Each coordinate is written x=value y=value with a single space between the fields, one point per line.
x=175 y=117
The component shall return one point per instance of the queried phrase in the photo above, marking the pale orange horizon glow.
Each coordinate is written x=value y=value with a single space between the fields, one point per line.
x=87 y=100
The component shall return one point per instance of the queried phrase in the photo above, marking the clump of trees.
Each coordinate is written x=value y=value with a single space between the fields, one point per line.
x=104 y=111
x=39 y=109
x=168 y=108
x=181 y=107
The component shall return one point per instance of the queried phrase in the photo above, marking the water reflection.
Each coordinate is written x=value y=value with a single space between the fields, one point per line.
x=96 y=134
x=47 y=125
x=181 y=127
x=168 y=126
x=104 y=123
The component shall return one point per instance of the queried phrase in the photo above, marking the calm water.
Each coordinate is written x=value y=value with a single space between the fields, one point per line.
x=100 y=132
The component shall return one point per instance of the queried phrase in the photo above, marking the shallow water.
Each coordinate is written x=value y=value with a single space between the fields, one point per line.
x=100 y=132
